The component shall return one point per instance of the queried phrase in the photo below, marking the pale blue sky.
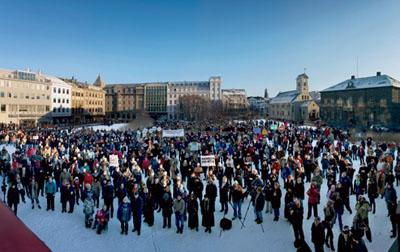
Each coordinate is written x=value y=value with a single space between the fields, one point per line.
x=251 y=44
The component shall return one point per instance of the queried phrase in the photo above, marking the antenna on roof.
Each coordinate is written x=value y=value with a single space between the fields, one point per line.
x=305 y=70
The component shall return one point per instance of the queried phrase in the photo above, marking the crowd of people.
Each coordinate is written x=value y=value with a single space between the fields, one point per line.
x=278 y=171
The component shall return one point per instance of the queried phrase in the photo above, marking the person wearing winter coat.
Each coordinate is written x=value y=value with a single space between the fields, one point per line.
x=390 y=197
x=193 y=209
x=344 y=240
x=276 y=200
x=207 y=211
x=236 y=196
x=299 y=189
x=313 y=200
x=50 y=189
x=64 y=197
x=148 y=208
x=363 y=208
x=13 y=197
x=372 y=193
x=224 y=195
x=268 y=191
x=96 y=188
x=71 y=197
x=102 y=217
x=33 y=192
x=211 y=191
x=318 y=235
x=288 y=201
x=88 y=211
x=166 y=206
x=329 y=213
x=121 y=193
x=124 y=215
x=108 y=196
x=258 y=203
x=137 y=211
x=296 y=219
x=65 y=176
x=179 y=209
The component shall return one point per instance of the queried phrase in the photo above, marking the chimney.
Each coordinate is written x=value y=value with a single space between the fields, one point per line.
x=378 y=73
x=353 y=77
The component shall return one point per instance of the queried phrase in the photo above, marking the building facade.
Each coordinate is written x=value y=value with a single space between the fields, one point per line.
x=296 y=105
x=25 y=97
x=234 y=100
x=155 y=98
x=88 y=101
x=362 y=102
x=258 y=105
x=61 y=104
x=123 y=101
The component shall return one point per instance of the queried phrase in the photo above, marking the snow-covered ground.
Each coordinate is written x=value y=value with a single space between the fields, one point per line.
x=66 y=232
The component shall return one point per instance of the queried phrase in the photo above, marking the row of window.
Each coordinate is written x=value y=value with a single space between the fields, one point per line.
x=60 y=100
x=61 y=110
x=22 y=96
x=64 y=90
x=13 y=108
x=25 y=85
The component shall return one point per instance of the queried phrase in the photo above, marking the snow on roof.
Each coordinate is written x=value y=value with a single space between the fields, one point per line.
x=285 y=97
x=365 y=82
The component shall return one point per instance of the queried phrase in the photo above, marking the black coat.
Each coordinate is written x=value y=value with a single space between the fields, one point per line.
x=343 y=245
x=207 y=210
x=318 y=234
x=224 y=193
x=276 y=198
x=259 y=202
x=211 y=191
x=166 y=204
x=13 y=195
x=193 y=209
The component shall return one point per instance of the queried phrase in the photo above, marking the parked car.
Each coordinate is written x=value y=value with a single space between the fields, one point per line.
x=379 y=128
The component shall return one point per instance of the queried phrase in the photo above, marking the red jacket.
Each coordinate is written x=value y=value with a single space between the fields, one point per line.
x=313 y=195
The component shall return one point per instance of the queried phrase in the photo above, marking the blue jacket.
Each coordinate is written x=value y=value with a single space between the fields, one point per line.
x=124 y=212
x=50 y=187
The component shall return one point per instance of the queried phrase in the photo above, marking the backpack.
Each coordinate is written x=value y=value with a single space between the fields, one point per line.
x=225 y=224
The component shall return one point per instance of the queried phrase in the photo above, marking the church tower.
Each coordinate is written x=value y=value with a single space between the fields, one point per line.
x=99 y=82
x=302 y=86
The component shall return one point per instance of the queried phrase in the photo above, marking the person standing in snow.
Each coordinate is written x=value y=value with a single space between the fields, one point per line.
x=179 y=209
x=50 y=189
x=318 y=235
x=137 y=211
x=33 y=192
x=207 y=211
x=13 y=197
x=124 y=215
x=258 y=203
x=166 y=206
x=193 y=209
x=88 y=211
x=102 y=217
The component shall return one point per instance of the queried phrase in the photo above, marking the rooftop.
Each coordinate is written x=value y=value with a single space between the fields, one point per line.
x=377 y=81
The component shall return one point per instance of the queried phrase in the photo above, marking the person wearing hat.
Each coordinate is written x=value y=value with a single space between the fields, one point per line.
x=344 y=241
x=318 y=234
x=362 y=210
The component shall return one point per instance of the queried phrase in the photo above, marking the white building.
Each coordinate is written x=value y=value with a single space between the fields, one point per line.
x=258 y=104
x=61 y=102
x=210 y=89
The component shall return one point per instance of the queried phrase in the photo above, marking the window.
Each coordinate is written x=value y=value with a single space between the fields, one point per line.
x=1 y=94
x=3 y=108
x=54 y=110
x=54 y=90
x=67 y=91
x=59 y=90
x=67 y=100
x=54 y=100
x=63 y=91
